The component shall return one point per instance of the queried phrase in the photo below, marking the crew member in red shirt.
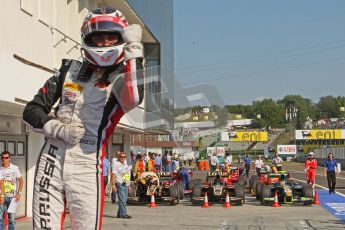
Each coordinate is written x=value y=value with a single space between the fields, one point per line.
x=151 y=163
x=139 y=167
x=310 y=166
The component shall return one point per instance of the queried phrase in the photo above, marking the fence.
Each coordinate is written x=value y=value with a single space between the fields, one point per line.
x=338 y=152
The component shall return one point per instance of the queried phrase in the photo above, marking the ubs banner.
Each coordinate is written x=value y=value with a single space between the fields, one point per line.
x=286 y=149
x=320 y=134
x=244 y=136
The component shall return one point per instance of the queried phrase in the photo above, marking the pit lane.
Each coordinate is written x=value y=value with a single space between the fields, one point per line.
x=251 y=215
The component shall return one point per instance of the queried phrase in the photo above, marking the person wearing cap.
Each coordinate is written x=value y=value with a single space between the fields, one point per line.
x=310 y=166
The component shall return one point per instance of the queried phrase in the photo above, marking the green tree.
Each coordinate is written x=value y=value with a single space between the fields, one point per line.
x=305 y=108
x=271 y=114
x=329 y=106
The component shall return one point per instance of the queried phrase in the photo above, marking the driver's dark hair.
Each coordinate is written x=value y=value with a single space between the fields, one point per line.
x=5 y=153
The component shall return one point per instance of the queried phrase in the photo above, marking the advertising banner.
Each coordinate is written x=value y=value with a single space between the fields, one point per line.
x=286 y=149
x=220 y=151
x=320 y=134
x=248 y=136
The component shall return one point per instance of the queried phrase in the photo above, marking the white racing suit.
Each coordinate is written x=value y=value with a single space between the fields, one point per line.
x=71 y=175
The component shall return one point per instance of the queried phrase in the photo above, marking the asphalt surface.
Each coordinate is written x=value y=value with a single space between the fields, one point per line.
x=249 y=216
x=297 y=171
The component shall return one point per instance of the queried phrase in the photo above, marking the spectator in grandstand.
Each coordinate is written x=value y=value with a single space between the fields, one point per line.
x=310 y=166
x=331 y=171
x=247 y=161
x=258 y=165
x=214 y=162
x=277 y=163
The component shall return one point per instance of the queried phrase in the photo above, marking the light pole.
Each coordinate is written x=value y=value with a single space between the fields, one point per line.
x=258 y=116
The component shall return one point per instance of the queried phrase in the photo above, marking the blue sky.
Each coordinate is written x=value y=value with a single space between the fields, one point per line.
x=252 y=49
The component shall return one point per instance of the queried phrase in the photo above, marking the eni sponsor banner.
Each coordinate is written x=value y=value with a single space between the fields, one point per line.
x=243 y=136
x=320 y=134
x=286 y=149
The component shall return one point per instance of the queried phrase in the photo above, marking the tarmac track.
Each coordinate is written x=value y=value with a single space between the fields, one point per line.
x=251 y=215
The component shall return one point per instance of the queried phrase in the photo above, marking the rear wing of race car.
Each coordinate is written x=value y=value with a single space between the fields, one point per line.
x=279 y=175
x=213 y=174
x=163 y=174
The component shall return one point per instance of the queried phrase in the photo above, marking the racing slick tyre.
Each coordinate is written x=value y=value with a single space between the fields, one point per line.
x=307 y=191
x=258 y=190
x=174 y=195
x=239 y=192
x=265 y=193
x=180 y=190
x=252 y=182
x=241 y=180
x=196 y=190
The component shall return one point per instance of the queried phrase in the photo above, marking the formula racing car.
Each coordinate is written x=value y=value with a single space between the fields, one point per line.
x=161 y=185
x=288 y=191
x=216 y=187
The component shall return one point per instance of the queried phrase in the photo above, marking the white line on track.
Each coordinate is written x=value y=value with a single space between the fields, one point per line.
x=302 y=172
x=320 y=186
x=303 y=224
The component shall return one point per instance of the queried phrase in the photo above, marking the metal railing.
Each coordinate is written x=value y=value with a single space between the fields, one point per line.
x=338 y=152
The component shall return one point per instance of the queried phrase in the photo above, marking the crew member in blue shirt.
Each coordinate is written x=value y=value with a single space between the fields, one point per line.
x=247 y=162
x=331 y=170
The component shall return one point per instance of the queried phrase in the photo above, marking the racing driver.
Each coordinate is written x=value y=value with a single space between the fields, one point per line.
x=93 y=95
x=310 y=166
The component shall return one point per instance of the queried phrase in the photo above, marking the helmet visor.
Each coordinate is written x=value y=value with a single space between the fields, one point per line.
x=101 y=24
x=103 y=39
